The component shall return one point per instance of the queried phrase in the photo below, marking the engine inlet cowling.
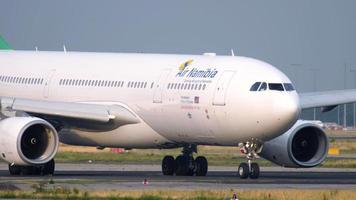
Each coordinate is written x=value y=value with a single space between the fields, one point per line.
x=304 y=145
x=27 y=140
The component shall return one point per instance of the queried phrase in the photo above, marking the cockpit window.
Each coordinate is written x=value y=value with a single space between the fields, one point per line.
x=263 y=87
x=276 y=86
x=255 y=86
x=288 y=87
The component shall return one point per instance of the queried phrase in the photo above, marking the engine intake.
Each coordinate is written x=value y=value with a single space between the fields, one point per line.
x=304 y=145
x=27 y=140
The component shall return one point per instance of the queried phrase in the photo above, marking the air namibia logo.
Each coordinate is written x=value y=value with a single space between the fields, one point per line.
x=185 y=65
x=195 y=72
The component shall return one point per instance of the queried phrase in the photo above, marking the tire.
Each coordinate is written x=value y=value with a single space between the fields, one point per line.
x=255 y=171
x=243 y=170
x=28 y=170
x=201 y=166
x=14 y=170
x=184 y=166
x=168 y=165
x=48 y=168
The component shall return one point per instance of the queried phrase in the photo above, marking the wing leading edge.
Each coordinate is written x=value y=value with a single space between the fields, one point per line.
x=97 y=112
x=327 y=98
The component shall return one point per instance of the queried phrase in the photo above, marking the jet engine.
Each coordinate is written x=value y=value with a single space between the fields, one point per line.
x=27 y=140
x=304 y=145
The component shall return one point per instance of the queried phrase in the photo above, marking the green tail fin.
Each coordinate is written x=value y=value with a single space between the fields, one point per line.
x=4 y=44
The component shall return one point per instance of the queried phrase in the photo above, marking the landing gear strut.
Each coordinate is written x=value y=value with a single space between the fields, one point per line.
x=185 y=164
x=250 y=169
x=43 y=170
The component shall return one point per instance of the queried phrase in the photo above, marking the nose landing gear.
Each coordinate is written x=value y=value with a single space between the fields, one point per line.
x=250 y=169
x=185 y=164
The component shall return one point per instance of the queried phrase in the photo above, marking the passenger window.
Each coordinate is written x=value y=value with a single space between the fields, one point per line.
x=255 y=86
x=276 y=86
x=288 y=87
x=263 y=87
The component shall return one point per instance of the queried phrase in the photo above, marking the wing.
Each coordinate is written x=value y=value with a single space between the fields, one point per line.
x=92 y=112
x=327 y=99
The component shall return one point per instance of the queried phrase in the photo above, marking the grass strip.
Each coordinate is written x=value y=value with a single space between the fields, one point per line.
x=258 y=194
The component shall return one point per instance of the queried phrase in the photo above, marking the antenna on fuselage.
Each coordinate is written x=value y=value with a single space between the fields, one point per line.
x=232 y=52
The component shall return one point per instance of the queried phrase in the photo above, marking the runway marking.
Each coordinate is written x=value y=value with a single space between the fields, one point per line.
x=110 y=177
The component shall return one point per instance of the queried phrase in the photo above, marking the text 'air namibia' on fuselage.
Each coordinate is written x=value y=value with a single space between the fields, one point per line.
x=155 y=101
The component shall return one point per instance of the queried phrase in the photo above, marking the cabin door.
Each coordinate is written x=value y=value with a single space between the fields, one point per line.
x=159 y=86
x=221 y=88
x=47 y=83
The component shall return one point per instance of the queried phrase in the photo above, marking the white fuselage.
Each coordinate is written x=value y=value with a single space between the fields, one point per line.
x=207 y=102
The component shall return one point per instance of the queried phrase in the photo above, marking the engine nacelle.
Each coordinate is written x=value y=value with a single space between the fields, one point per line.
x=304 y=145
x=27 y=140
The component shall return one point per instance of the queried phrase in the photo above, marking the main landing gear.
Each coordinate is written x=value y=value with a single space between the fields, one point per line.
x=43 y=170
x=185 y=164
x=250 y=169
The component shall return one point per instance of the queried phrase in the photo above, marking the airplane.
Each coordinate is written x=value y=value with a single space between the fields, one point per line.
x=161 y=101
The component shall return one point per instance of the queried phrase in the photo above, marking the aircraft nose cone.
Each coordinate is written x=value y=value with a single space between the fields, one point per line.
x=287 y=109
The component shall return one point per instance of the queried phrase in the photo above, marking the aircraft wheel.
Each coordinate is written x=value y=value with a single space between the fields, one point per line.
x=243 y=170
x=255 y=171
x=201 y=166
x=14 y=169
x=183 y=166
x=48 y=168
x=28 y=170
x=168 y=165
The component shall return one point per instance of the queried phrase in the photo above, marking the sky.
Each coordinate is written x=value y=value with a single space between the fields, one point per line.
x=313 y=42
x=304 y=38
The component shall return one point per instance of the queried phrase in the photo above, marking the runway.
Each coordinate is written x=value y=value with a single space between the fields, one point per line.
x=131 y=177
